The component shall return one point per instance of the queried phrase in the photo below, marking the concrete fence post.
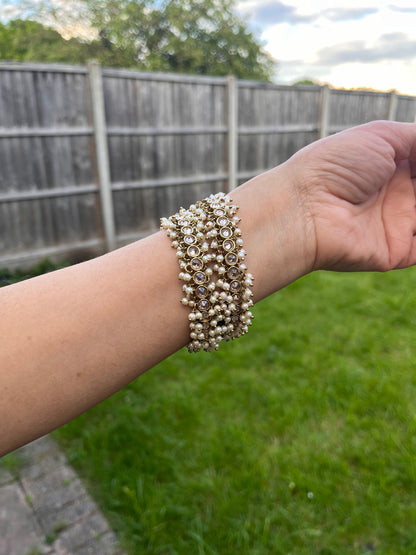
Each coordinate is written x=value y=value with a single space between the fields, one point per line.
x=324 y=112
x=101 y=151
x=232 y=124
x=391 y=114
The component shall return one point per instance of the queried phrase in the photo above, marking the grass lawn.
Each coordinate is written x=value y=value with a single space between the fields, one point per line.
x=299 y=438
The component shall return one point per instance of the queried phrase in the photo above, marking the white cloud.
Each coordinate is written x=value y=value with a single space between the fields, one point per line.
x=348 y=44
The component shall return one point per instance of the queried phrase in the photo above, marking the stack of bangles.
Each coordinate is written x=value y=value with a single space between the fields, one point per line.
x=217 y=285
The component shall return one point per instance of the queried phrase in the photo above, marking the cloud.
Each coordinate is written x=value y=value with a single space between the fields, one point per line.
x=347 y=14
x=272 y=13
x=401 y=9
x=389 y=47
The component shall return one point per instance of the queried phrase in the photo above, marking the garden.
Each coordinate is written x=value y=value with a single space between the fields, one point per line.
x=298 y=438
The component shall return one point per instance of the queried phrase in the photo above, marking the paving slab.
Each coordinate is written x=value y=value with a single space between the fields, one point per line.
x=46 y=510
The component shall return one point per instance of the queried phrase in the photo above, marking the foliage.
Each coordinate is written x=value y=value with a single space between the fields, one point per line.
x=8 y=277
x=191 y=36
x=187 y=36
x=298 y=438
x=306 y=81
x=30 y=41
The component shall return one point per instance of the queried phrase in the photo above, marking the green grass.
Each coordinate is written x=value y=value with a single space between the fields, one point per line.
x=298 y=438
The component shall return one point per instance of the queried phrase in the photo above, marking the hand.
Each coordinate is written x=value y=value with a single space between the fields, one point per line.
x=358 y=194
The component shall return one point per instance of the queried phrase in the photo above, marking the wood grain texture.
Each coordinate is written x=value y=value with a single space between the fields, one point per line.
x=168 y=143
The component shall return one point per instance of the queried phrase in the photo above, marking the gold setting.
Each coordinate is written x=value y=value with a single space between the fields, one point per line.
x=217 y=285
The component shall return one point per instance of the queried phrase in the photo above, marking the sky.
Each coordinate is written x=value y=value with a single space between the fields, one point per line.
x=347 y=44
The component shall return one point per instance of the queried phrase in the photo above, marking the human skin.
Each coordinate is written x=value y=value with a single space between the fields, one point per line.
x=72 y=338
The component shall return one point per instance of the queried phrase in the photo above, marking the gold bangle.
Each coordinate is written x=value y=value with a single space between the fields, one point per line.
x=217 y=285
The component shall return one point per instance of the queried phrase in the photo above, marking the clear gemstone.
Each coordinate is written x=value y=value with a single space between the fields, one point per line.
x=196 y=264
x=203 y=305
x=235 y=286
x=225 y=232
x=228 y=245
x=189 y=239
x=193 y=251
x=200 y=277
x=187 y=230
x=219 y=212
x=223 y=221
x=232 y=273
x=201 y=292
x=231 y=258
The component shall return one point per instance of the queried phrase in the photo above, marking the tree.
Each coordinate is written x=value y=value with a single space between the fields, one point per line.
x=306 y=81
x=26 y=40
x=189 y=36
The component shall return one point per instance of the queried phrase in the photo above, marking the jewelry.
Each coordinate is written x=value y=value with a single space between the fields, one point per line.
x=217 y=286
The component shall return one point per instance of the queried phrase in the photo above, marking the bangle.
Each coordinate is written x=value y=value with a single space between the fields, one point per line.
x=217 y=286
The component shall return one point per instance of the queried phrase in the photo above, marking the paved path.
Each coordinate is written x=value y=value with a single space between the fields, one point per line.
x=45 y=509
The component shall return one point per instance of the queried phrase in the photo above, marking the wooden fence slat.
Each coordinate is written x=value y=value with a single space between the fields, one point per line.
x=86 y=148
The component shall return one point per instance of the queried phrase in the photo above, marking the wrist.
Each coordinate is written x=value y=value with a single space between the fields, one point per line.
x=278 y=234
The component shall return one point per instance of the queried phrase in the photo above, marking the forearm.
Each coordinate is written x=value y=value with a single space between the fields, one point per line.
x=72 y=338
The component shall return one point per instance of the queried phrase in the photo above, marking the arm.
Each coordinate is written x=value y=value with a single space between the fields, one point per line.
x=72 y=338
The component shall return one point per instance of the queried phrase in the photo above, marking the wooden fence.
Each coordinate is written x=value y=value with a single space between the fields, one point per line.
x=91 y=158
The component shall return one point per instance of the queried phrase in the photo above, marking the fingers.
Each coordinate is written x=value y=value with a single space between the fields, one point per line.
x=401 y=136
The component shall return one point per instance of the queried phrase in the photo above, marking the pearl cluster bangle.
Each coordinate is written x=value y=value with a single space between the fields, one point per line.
x=217 y=286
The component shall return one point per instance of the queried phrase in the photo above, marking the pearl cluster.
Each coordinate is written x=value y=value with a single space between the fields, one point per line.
x=217 y=286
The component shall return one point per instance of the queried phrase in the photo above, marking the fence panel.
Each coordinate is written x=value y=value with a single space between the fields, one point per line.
x=169 y=139
x=274 y=122
x=47 y=191
x=406 y=109
x=349 y=108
